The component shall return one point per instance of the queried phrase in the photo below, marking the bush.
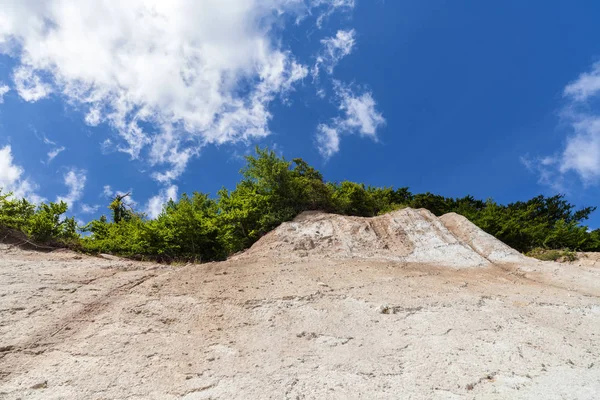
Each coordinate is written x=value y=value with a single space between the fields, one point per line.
x=44 y=224
x=553 y=255
x=273 y=190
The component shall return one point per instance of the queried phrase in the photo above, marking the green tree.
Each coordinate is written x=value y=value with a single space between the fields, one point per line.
x=350 y=198
x=121 y=211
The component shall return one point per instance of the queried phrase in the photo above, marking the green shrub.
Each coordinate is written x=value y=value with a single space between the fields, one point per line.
x=553 y=254
x=273 y=190
x=45 y=223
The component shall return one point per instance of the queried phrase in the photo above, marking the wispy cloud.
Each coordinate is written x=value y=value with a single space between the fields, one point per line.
x=53 y=153
x=74 y=180
x=156 y=203
x=325 y=8
x=586 y=85
x=581 y=153
x=12 y=180
x=359 y=116
x=328 y=140
x=89 y=209
x=107 y=146
x=30 y=85
x=3 y=90
x=107 y=191
x=333 y=50
x=46 y=140
x=360 y=111
x=166 y=149
x=546 y=170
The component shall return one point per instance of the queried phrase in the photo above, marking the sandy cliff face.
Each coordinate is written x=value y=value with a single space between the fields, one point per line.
x=407 y=235
x=405 y=305
x=483 y=243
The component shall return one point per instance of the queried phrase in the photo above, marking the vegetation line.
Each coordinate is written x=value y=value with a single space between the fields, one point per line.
x=273 y=190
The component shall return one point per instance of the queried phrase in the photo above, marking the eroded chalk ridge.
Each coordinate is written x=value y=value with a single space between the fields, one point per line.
x=407 y=235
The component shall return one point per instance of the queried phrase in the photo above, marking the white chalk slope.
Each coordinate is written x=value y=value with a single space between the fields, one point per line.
x=482 y=242
x=407 y=235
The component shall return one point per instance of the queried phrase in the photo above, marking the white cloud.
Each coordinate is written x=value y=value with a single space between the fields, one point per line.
x=334 y=49
x=54 y=152
x=93 y=117
x=546 y=169
x=48 y=141
x=107 y=146
x=88 y=209
x=586 y=86
x=11 y=178
x=29 y=85
x=581 y=154
x=107 y=191
x=360 y=116
x=360 y=111
x=326 y=8
x=9 y=173
x=328 y=140
x=582 y=150
x=3 y=90
x=156 y=203
x=166 y=149
x=205 y=71
x=75 y=180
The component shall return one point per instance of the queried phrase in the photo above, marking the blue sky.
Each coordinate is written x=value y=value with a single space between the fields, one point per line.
x=492 y=99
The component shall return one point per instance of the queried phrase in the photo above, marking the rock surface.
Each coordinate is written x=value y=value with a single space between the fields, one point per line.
x=351 y=319
x=407 y=235
x=483 y=243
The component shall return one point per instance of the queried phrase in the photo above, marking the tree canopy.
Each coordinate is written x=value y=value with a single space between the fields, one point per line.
x=273 y=190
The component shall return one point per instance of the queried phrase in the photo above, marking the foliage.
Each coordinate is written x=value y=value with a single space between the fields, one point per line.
x=121 y=211
x=185 y=230
x=45 y=223
x=553 y=255
x=274 y=190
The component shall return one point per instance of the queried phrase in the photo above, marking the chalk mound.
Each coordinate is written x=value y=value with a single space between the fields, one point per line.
x=482 y=242
x=407 y=235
